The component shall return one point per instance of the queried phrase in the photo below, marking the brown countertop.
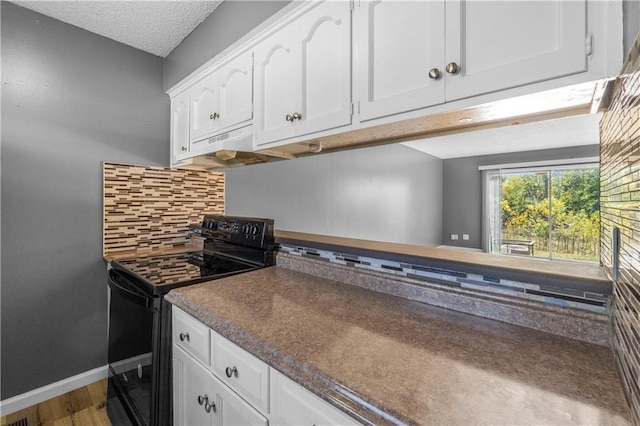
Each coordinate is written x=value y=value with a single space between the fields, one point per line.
x=386 y=359
x=556 y=268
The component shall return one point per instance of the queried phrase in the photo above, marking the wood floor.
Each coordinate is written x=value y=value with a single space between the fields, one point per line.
x=82 y=407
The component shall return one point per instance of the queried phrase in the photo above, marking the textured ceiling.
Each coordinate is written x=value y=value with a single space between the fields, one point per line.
x=559 y=133
x=153 y=26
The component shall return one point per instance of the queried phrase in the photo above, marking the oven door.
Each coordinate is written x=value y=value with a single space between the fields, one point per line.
x=133 y=317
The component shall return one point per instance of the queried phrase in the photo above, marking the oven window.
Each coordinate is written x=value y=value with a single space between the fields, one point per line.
x=130 y=347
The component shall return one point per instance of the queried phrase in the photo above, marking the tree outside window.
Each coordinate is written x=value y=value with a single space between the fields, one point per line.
x=550 y=213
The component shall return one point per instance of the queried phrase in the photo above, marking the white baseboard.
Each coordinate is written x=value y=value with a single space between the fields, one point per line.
x=52 y=390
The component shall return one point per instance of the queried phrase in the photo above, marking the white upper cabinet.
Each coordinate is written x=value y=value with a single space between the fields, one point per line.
x=303 y=75
x=179 y=126
x=307 y=72
x=277 y=76
x=398 y=43
x=222 y=99
x=205 y=106
x=235 y=88
x=497 y=45
x=415 y=54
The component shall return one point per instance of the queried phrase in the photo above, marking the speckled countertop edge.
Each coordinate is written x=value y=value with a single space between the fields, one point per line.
x=325 y=387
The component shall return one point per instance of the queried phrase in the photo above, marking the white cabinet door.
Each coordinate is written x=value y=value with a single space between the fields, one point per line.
x=277 y=62
x=194 y=389
x=292 y=405
x=179 y=126
x=236 y=412
x=303 y=75
x=399 y=42
x=325 y=43
x=204 y=107
x=503 y=44
x=235 y=88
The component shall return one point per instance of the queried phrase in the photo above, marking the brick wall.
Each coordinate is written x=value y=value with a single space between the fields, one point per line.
x=620 y=207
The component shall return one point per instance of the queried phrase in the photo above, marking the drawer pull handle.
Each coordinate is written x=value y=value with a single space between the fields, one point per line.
x=209 y=407
x=231 y=371
x=184 y=336
x=203 y=399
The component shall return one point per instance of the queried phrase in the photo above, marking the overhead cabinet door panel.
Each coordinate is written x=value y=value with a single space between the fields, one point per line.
x=497 y=45
x=326 y=68
x=303 y=74
x=204 y=99
x=236 y=91
x=277 y=91
x=399 y=43
x=180 y=126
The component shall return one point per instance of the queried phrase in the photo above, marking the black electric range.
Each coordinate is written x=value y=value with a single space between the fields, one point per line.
x=139 y=352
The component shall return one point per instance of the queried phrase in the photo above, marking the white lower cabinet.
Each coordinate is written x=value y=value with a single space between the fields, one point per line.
x=236 y=388
x=292 y=404
x=195 y=394
x=240 y=370
x=201 y=399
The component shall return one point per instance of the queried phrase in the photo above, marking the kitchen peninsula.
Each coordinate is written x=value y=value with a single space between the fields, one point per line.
x=388 y=360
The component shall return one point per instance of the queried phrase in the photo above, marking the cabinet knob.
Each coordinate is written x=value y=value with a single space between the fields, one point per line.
x=288 y=117
x=452 y=68
x=203 y=399
x=296 y=116
x=214 y=116
x=184 y=336
x=231 y=371
x=184 y=148
x=209 y=407
x=434 y=73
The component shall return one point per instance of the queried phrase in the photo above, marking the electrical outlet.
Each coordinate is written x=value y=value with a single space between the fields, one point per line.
x=454 y=236
x=465 y=237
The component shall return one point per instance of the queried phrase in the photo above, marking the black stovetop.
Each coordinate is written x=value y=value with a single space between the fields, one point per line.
x=161 y=273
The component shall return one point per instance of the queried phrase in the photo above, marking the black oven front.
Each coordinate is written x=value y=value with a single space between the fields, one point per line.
x=139 y=355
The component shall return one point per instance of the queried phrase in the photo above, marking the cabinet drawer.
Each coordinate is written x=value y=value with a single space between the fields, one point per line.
x=241 y=371
x=292 y=404
x=191 y=335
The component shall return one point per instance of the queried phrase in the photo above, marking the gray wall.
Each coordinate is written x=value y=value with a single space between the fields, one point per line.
x=70 y=100
x=230 y=21
x=462 y=189
x=387 y=193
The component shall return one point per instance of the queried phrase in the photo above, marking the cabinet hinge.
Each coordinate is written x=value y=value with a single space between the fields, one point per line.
x=352 y=4
x=358 y=107
x=588 y=45
x=352 y=109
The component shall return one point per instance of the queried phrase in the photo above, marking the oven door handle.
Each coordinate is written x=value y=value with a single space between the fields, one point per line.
x=132 y=296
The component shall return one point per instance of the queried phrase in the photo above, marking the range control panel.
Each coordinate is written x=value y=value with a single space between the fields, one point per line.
x=244 y=231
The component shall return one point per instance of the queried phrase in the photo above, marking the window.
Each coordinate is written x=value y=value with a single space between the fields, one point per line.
x=548 y=211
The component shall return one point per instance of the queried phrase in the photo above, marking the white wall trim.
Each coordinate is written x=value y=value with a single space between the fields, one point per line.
x=563 y=162
x=52 y=390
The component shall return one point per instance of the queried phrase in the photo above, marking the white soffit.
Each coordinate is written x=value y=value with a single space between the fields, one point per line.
x=153 y=26
x=558 y=133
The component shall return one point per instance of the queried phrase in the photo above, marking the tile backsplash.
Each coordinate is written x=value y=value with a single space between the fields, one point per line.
x=620 y=208
x=152 y=207
x=578 y=299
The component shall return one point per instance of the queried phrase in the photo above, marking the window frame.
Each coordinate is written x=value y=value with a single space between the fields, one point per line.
x=491 y=214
